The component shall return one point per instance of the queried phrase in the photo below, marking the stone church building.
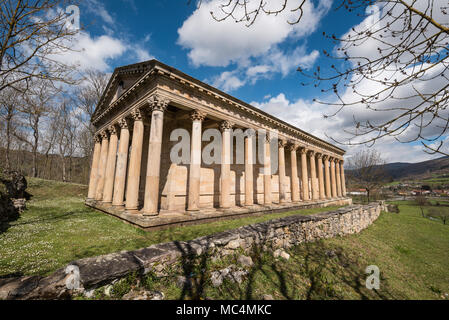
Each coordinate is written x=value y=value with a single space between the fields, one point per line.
x=134 y=178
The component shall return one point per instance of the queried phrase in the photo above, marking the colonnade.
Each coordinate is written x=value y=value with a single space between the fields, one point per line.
x=116 y=182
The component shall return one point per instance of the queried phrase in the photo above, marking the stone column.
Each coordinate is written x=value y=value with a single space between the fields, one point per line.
x=226 y=153
x=343 y=180
x=304 y=175
x=333 y=182
x=327 y=177
x=319 y=159
x=132 y=190
x=249 y=188
x=267 y=171
x=281 y=157
x=102 y=166
x=294 y=175
x=197 y=118
x=312 y=160
x=122 y=162
x=94 y=169
x=338 y=178
x=157 y=106
x=110 y=166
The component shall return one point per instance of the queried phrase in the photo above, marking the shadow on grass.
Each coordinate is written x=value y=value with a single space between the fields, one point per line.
x=63 y=216
x=8 y=213
x=315 y=271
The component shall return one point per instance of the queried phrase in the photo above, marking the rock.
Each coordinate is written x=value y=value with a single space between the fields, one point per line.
x=143 y=295
x=15 y=184
x=183 y=282
x=157 y=295
x=267 y=297
x=245 y=261
x=331 y=253
x=285 y=255
x=238 y=276
x=216 y=278
x=89 y=293
x=281 y=253
x=108 y=290
x=393 y=208
x=233 y=244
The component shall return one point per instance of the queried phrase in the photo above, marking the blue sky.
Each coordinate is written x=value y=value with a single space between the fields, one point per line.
x=257 y=64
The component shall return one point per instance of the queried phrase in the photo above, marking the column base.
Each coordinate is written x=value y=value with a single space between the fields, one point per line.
x=149 y=214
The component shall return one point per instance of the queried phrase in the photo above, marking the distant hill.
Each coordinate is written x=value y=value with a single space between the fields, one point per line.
x=402 y=170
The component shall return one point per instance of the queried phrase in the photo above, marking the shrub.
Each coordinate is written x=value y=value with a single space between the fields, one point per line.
x=439 y=213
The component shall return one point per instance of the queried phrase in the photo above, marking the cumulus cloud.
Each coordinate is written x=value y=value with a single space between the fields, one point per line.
x=275 y=61
x=308 y=116
x=228 y=81
x=213 y=43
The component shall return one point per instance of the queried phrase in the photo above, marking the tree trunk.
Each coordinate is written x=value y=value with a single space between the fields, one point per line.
x=8 y=143
x=64 y=178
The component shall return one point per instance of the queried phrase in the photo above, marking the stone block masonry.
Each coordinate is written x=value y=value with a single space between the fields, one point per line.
x=285 y=232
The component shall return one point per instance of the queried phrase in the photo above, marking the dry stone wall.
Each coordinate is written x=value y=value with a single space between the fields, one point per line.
x=285 y=232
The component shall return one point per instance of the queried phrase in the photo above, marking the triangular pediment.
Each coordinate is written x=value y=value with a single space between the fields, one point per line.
x=121 y=79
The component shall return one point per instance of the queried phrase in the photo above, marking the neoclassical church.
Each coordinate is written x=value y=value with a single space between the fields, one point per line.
x=134 y=178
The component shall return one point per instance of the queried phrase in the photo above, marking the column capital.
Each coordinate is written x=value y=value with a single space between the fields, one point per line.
x=226 y=125
x=112 y=129
x=282 y=143
x=311 y=153
x=336 y=160
x=104 y=134
x=342 y=161
x=268 y=136
x=319 y=155
x=325 y=157
x=250 y=132
x=97 y=138
x=197 y=115
x=123 y=123
x=137 y=114
x=157 y=103
x=292 y=146
x=303 y=150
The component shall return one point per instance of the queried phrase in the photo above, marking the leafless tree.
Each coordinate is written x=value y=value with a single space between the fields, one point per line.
x=421 y=201
x=32 y=33
x=8 y=115
x=36 y=105
x=367 y=170
x=66 y=137
x=86 y=98
x=390 y=72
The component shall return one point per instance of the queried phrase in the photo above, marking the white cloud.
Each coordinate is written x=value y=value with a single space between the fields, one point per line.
x=275 y=61
x=93 y=53
x=308 y=116
x=227 y=81
x=213 y=43
x=99 y=9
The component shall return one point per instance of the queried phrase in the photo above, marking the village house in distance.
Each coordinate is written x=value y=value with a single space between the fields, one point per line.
x=134 y=178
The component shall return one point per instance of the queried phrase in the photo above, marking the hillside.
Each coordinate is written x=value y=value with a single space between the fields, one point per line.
x=401 y=170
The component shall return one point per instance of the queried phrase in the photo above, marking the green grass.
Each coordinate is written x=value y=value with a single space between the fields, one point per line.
x=58 y=228
x=410 y=251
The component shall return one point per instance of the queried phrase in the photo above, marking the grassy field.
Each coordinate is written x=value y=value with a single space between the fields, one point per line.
x=58 y=228
x=410 y=251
